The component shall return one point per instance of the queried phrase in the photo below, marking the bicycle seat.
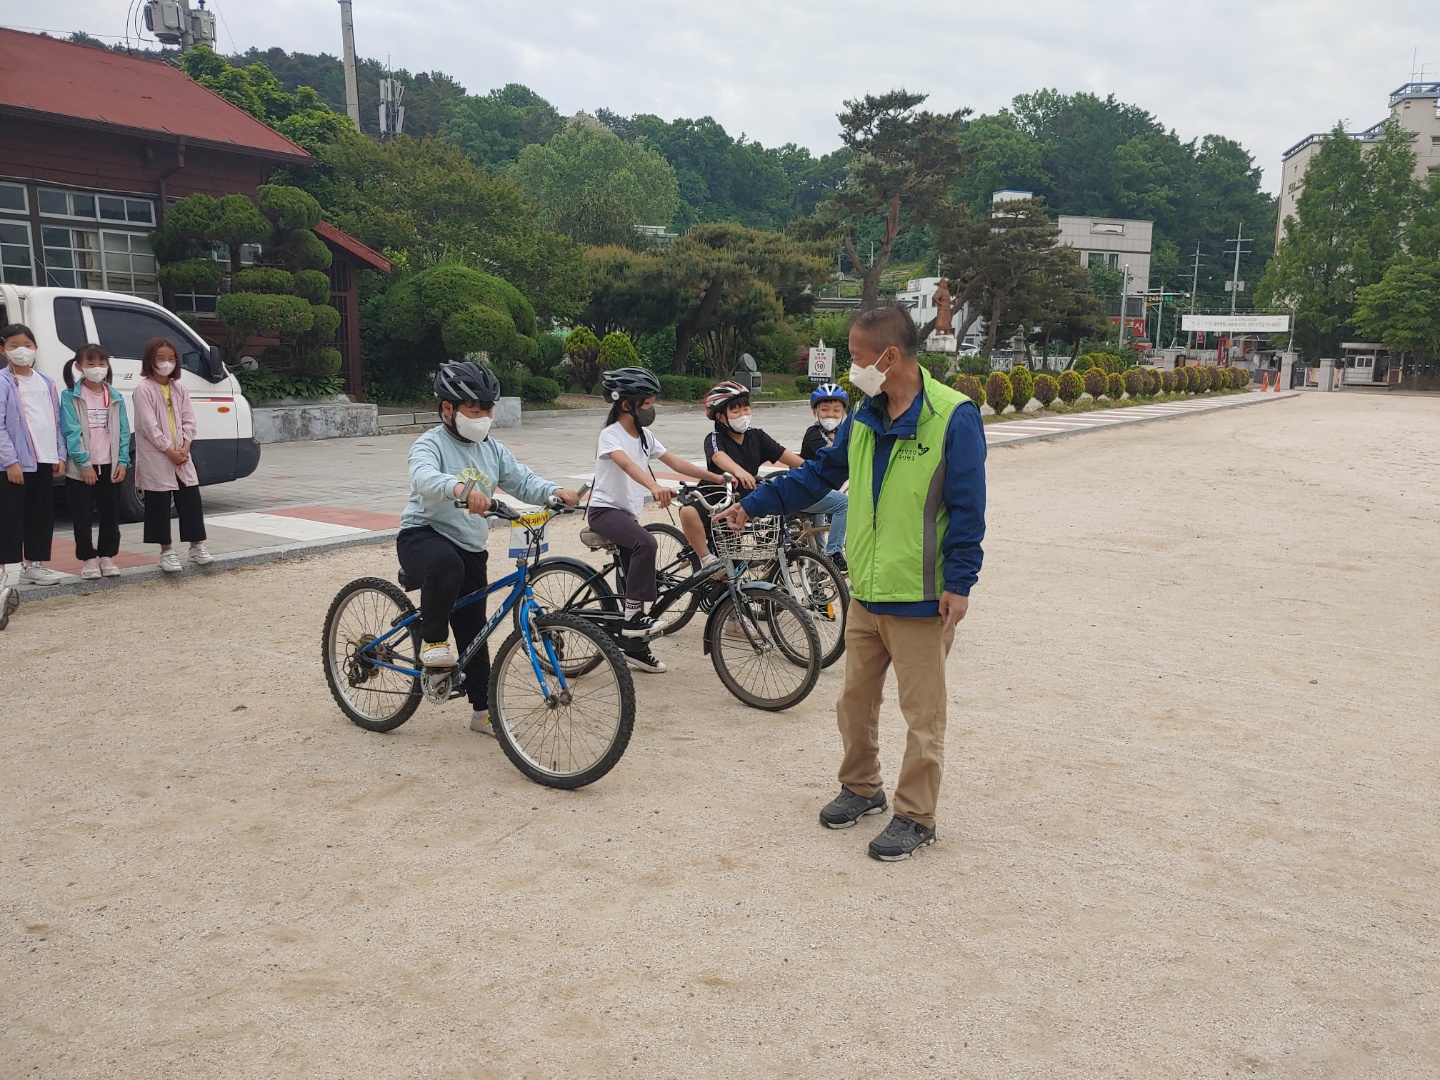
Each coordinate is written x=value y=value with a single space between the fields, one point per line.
x=594 y=541
x=407 y=583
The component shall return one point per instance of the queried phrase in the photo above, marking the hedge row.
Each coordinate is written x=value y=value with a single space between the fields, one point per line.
x=1019 y=386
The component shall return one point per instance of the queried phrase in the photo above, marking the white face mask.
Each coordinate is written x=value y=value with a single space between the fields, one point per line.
x=22 y=356
x=469 y=427
x=739 y=424
x=868 y=380
x=830 y=423
x=164 y=367
x=94 y=374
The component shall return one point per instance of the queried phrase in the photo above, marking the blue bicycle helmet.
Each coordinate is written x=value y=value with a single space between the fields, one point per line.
x=828 y=392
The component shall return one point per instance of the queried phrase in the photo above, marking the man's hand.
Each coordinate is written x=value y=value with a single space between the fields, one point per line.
x=15 y=474
x=117 y=474
x=735 y=517
x=952 y=609
x=58 y=469
x=88 y=475
x=568 y=497
x=662 y=495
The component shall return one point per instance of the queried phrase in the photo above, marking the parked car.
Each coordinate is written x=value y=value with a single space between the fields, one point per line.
x=65 y=319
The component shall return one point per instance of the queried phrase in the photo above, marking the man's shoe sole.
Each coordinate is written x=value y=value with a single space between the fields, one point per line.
x=900 y=858
x=643 y=635
x=658 y=668
x=854 y=821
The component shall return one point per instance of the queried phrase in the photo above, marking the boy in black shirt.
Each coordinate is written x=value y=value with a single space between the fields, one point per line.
x=741 y=450
x=829 y=404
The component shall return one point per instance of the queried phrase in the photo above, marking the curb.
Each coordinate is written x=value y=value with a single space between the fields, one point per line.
x=231 y=561
x=1128 y=421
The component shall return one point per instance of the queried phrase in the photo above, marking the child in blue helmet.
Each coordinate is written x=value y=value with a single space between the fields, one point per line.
x=829 y=404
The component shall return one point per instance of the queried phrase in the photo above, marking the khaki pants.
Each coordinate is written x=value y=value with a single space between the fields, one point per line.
x=917 y=649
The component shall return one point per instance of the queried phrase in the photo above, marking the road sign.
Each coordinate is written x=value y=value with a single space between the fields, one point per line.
x=822 y=362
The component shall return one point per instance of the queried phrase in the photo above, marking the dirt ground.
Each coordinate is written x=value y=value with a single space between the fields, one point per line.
x=1188 y=826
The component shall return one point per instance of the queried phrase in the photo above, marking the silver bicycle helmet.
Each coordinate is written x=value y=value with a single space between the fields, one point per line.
x=462 y=382
x=630 y=382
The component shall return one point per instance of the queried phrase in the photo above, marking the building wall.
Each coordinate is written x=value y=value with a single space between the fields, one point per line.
x=1117 y=242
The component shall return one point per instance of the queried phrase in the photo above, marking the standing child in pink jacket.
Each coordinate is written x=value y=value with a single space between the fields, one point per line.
x=164 y=432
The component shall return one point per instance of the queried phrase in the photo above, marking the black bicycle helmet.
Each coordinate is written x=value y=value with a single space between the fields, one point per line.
x=630 y=382
x=462 y=382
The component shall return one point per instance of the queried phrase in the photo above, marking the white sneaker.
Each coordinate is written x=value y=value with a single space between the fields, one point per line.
x=439 y=654
x=200 y=555
x=480 y=721
x=90 y=570
x=9 y=601
x=36 y=574
x=108 y=567
x=170 y=562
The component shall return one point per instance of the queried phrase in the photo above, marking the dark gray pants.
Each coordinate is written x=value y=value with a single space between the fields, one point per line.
x=637 y=550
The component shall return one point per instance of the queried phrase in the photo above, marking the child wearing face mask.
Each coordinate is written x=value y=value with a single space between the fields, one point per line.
x=97 y=442
x=32 y=454
x=164 y=433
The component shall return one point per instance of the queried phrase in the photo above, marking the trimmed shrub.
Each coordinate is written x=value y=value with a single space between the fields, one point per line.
x=313 y=285
x=617 y=351
x=1022 y=386
x=192 y=276
x=1096 y=382
x=288 y=208
x=539 y=390
x=998 y=390
x=1114 y=386
x=1182 y=380
x=1153 y=381
x=971 y=387
x=699 y=387
x=325 y=324
x=323 y=362
x=1046 y=389
x=1083 y=364
x=1135 y=382
x=250 y=313
x=1167 y=381
x=1203 y=379
x=306 y=251
x=673 y=387
x=263 y=279
x=512 y=381
x=1070 y=386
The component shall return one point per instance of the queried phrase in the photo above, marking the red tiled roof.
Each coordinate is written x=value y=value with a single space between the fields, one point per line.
x=46 y=78
x=346 y=242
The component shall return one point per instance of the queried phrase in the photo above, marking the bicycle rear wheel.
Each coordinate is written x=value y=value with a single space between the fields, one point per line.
x=373 y=697
x=820 y=588
x=564 y=584
x=674 y=563
x=766 y=651
x=570 y=738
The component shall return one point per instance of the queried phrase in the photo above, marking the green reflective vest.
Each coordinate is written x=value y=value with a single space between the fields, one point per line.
x=893 y=546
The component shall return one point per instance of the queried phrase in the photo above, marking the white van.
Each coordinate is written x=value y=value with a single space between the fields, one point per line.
x=65 y=319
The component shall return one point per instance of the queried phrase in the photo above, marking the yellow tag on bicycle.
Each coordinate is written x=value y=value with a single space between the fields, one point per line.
x=527 y=535
x=534 y=520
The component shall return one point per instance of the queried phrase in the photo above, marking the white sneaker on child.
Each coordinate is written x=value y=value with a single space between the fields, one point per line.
x=200 y=555
x=90 y=570
x=35 y=574
x=170 y=562
x=438 y=654
x=480 y=721
x=108 y=567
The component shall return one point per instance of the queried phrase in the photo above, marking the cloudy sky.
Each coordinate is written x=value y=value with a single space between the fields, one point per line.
x=1264 y=72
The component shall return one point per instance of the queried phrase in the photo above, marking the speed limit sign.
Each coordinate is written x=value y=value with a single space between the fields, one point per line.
x=822 y=362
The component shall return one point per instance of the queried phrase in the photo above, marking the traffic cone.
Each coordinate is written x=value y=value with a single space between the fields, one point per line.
x=1265 y=383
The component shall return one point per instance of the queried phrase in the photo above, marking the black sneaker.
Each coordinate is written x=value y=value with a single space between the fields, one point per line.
x=839 y=560
x=847 y=808
x=639 y=626
x=900 y=839
x=639 y=657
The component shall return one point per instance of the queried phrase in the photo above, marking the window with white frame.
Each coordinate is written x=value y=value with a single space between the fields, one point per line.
x=119 y=209
x=13 y=199
x=99 y=259
x=204 y=303
x=17 y=267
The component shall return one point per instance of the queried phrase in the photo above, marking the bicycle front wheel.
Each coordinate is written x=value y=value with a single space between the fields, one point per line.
x=765 y=648
x=819 y=587
x=373 y=696
x=562 y=738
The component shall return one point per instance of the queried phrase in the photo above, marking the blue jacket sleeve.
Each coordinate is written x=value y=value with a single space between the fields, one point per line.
x=8 y=454
x=124 y=433
x=964 y=499
x=429 y=477
x=792 y=492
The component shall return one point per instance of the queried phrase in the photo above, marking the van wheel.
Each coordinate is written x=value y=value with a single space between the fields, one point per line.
x=132 y=506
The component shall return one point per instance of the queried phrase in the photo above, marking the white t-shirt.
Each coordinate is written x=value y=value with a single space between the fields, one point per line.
x=39 y=417
x=611 y=487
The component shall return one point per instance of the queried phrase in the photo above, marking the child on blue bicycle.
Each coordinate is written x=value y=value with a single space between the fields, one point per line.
x=442 y=546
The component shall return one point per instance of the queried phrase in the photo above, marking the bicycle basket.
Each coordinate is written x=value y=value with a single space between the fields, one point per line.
x=757 y=542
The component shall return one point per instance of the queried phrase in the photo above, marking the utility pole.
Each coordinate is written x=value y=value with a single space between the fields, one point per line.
x=1194 y=288
x=1124 y=289
x=1159 y=318
x=1235 y=284
x=352 y=87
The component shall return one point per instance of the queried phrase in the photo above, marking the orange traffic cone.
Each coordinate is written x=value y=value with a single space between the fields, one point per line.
x=1277 y=382
x=1265 y=383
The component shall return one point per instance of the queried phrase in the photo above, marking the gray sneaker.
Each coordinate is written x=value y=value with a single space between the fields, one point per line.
x=900 y=839
x=847 y=808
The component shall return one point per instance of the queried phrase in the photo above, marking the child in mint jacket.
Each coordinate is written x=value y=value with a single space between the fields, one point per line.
x=97 y=442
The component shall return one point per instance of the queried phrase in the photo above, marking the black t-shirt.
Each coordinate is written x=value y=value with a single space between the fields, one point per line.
x=755 y=450
x=815 y=441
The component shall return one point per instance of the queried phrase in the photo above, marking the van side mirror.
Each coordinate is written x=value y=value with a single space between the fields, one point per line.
x=216 y=366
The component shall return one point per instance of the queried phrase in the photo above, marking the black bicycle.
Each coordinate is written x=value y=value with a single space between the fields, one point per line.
x=762 y=642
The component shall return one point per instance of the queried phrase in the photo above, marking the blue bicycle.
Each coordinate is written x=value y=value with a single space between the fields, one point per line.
x=562 y=700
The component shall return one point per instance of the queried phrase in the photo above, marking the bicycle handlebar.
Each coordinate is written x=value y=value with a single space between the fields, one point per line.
x=694 y=495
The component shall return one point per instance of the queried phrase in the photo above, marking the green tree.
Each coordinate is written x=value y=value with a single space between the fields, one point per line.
x=587 y=167
x=492 y=130
x=903 y=166
x=1402 y=310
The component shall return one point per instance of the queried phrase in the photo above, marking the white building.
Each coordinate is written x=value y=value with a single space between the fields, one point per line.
x=1416 y=106
x=1113 y=242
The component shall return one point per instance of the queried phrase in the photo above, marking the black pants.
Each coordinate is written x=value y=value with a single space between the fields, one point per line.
x=27 y=516
x=102 y=500
x=637 y=550
x=187 y=505
x=446 y=573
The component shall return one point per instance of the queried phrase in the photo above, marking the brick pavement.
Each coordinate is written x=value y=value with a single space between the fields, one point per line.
x=309 y=496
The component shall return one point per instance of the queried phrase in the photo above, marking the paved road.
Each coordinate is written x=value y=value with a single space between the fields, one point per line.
x=348 y=490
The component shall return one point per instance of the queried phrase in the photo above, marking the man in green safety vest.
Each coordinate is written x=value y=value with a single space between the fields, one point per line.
x=914 y=453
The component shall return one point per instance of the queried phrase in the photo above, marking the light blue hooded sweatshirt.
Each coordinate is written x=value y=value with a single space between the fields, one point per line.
x=439 y=461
